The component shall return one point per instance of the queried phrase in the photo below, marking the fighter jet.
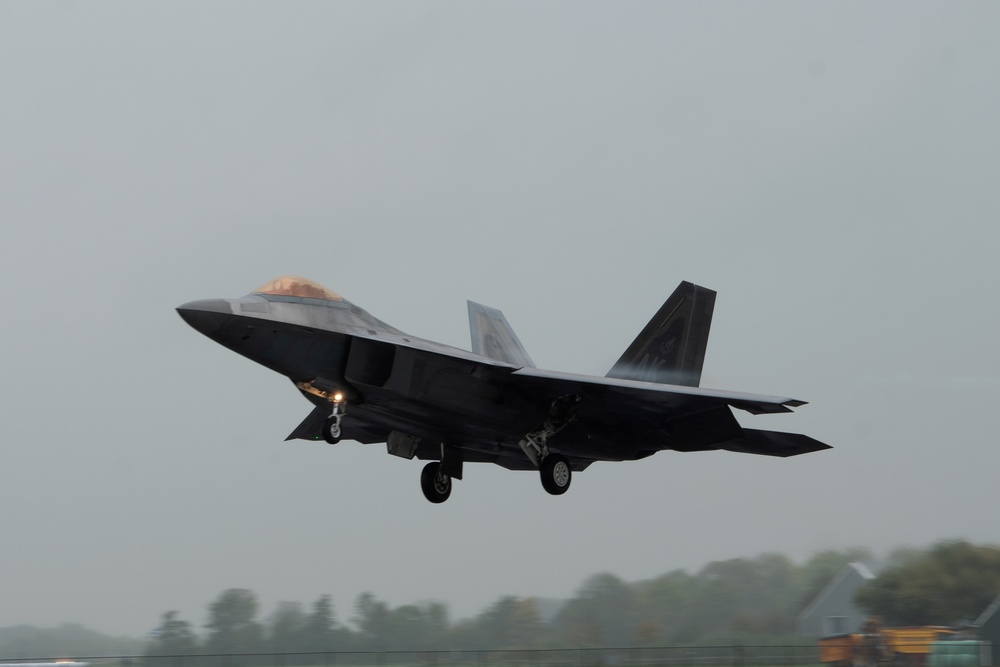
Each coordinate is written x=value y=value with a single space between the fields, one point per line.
x=372 y=383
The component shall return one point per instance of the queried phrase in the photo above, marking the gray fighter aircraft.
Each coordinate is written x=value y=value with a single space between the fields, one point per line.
x=373 y=383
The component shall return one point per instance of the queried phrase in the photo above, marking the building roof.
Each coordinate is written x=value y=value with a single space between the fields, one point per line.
x=846 y=571
x=987 y=614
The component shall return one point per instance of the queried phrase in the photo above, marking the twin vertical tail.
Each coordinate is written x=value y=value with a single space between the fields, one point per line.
x=493 y=337
x=671 y=349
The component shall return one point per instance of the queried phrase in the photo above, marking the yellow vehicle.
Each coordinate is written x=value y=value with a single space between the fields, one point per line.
x=838 y=650
x=901 y=647
x=911 y=646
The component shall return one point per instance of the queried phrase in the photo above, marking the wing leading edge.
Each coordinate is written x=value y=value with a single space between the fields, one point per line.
x=756 y=404
x=649 y=417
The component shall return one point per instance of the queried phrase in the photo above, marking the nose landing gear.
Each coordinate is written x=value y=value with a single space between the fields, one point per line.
x=328 y=391
x=331 y=430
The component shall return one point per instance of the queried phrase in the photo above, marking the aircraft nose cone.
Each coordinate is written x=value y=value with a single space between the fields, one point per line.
x=205 y=315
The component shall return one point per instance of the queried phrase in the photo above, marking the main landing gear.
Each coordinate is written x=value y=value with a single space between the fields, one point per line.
x=434 y=483
x=553 y=468
x=436 y=477
x=556 y=474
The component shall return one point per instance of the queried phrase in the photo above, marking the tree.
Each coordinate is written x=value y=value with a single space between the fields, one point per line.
x=418 y=627
x=320 y=626
x=509 y=623
x=741 y=597
x=667 y=608
x=436 y=615
x=603 y=613
x=527 y=624
x=953 y=581
x=406 y=628
x=231 y=620
x=287 y=627
x=172 y=637
x=371 y=616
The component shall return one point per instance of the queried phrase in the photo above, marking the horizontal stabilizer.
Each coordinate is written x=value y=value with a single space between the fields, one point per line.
x=774 y=443
x=311 y=427
x=671 y=349
x=493 y=337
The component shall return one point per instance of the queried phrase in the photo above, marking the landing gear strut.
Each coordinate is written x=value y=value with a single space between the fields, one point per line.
x=328 y=391
x=435 y=484
x=554 y=468
x=331 y=429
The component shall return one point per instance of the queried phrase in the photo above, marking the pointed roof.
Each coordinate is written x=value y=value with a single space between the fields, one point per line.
x=847 y=570
x=987 y=614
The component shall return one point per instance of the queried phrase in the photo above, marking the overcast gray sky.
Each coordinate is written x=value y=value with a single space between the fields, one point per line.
x=831 y=169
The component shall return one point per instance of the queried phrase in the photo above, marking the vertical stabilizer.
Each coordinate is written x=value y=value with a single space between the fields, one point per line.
x=671 y=349
x=492 y=336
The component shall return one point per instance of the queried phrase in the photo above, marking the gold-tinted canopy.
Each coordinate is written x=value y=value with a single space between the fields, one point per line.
x=298 y=286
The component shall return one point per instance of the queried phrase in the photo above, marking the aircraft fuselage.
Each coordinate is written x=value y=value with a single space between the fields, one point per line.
x=373 y=383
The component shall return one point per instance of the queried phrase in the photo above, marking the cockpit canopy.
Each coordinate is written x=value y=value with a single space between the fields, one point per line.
x=298 y=286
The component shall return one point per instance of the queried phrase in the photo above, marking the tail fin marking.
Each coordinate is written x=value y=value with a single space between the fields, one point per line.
x=671 y=348
x=493 y=337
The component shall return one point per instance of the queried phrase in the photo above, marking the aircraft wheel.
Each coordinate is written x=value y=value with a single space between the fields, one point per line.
x=331 y=430
x=556 y=474
x=435 y=484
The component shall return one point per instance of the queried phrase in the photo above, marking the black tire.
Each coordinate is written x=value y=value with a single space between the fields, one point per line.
x=556 y=474
x=435 y=484
x=328 y=431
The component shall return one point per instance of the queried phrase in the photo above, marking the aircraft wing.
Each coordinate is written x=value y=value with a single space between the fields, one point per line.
x=628 y=419
x=664 y=393
x=485 y=410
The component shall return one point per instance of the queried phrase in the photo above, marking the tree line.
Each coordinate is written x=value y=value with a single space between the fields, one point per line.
x=753 y=600
x=750 y=600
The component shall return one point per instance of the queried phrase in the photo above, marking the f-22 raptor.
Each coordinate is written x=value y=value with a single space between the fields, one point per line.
x=373 y=383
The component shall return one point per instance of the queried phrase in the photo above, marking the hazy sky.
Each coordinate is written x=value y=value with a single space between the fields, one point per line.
x=832 y=169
